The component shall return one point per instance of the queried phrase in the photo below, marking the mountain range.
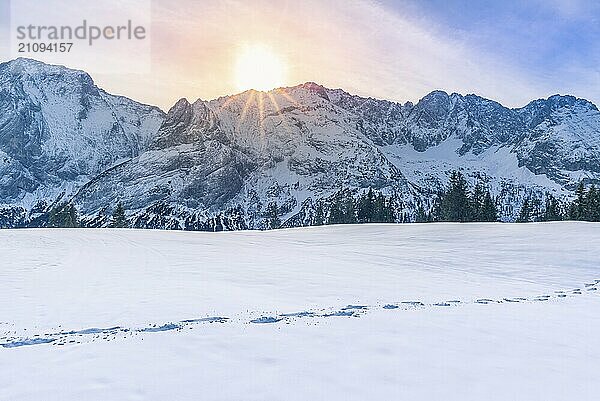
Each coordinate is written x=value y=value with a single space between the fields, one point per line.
x=222 y=162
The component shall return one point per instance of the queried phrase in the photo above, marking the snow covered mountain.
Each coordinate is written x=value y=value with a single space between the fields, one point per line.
x=58 y=131
x=220 y=163
x=236 y=154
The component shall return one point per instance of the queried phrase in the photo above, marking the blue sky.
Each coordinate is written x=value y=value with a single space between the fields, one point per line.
x=554 y=43
x=506 y=50
x=538 y=34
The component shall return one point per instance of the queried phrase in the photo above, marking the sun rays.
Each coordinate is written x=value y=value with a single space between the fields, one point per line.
x=264 y=105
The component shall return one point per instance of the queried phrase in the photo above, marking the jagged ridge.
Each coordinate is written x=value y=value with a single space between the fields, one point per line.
x=62 y=136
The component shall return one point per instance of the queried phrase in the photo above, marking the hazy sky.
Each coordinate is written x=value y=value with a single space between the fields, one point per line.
x=510 y=51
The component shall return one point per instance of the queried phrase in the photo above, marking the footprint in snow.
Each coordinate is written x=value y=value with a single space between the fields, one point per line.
x=164 y=327
x=28 y=341
x=299 y=314
x=266 y=319
x=359 y=307
x=340 y=313
x=413 y=303
x=213 y=319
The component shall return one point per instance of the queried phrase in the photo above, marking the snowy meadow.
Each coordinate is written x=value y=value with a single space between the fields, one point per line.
x=354 y=312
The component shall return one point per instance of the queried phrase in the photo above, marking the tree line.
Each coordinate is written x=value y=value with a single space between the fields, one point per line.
x=344 y=208
x=584 y=207
x=64 y=215
x=458 y=202
x=461 y=204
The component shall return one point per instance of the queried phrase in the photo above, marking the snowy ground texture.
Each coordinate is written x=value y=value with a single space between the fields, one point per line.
x=370 y=312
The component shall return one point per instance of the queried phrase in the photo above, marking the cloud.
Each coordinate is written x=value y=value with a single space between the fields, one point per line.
x=360 y=46
x=366 y=47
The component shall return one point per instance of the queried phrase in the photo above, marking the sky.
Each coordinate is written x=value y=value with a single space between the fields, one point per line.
x=509 y=51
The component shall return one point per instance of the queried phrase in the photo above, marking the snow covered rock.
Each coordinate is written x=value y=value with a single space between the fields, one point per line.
x=219 y=163
x=58 y=130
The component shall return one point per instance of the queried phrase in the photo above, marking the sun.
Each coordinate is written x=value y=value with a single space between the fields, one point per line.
x=258 y=67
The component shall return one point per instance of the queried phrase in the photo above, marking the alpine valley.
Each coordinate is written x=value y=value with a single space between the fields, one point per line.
x=219 y=164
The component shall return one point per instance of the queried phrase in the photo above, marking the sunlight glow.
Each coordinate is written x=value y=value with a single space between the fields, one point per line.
x=258 y=67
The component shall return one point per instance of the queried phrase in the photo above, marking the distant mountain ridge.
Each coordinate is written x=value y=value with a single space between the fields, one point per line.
x=221 y=162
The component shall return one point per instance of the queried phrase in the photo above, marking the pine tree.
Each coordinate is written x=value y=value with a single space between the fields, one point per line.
x=63 y=215
x=273 y=220
x=365 y=207
x=525 y=213
x=421 y=216
x=118 y=218
x=476 y=203
x=389 y=214
x=489 y=212
x=349 y=210
x=577 y=208
x=454 y=204
x=552 y=210
x=319 y=217
x=383 y=210
x=592 y=204
x=336 y=213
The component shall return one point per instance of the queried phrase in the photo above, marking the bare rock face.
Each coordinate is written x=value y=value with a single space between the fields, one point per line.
x=58 y=130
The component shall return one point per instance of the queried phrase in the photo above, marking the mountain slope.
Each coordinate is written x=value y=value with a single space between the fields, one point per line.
x=293 y=146
x=246 y=150
x=58 y=130
x=223 y=164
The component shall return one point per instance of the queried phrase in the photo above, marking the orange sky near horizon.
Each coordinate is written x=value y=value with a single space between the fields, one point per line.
x=195 y=50
x=365 y=47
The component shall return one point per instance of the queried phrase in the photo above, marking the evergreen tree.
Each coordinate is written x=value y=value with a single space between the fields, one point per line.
x=454 y=204
x=592 y=204
x=421 y=216
x=273 y=220
x=525 y=213
x=488 y=211
x=342 y=210
x=349 y=210
x=218 y=223
x=552 y=210
x=383 y=210
x=536 y=210
x=319 y=217
x=373 y=208
x=577 y=208
x=336 y=213
x=476 y=203
x=63 y=215
x=365 y=207
x=118 y=218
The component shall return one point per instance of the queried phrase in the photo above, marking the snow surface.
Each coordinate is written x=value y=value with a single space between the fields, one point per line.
x=419 y=312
